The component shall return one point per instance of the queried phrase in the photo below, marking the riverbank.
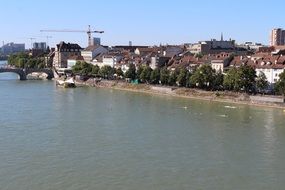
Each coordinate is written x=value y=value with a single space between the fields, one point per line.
x=217 y=96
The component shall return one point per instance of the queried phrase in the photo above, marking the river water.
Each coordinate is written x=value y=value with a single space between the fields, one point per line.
x=88 y=138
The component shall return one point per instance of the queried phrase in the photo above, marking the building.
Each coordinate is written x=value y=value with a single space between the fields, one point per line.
x=158 y=61
x=108 y=60
x=212 y=47
x=91 y=52
x=62 y=53
x=12 y=48
x=216 y=46
x=96 y=42
x=145 y=51
x=73 y=60
x=220 y=61
x=40 y=46
x=127 y=48
x=251 y=46
x=277 y=37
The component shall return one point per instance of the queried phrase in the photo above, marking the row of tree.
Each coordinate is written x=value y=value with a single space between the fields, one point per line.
x=86 y=69
x=23 y=60
x=242 y=79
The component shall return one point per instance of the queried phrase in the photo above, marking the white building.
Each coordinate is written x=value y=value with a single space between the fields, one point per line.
x=108 y=60
x=91 y=52
x=272 y=74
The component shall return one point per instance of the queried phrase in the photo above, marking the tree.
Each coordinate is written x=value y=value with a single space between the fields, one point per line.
x=164 y=75
x=131 y=72
x=107 y=72
x=240 y=79
x=218 y=81
x=155 y=76
x=203 y=77
x=246 y=75
x=261 y=82
x=77 y=67
x=23 y=60
x=139 y=71
x=182 y=77
x=145 y=74
x=280 y=84
x=230 y=80
x=119 y=72
x=172 y=78
x=95 y=70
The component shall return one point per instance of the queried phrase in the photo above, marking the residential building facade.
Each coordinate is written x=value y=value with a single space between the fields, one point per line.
x=91 y=52
x=277 y=37
x=62 y=53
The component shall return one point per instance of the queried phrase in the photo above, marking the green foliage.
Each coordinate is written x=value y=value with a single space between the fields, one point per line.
x=139 y=71
x=23 y=60
x=131 y=72
x=261 y=82
x=119 y=72
x=203 y=77
x=182 y=77
x=172 y=78
x=218 y=81
x=107 y=72
x=247 y=77
x=240 y=79
x=164 y=75
x=280 y=85
x=82 y=68
x=145 y=74
x=95 y=70
x=155 y=76
x=86 y=69
x=231 y=80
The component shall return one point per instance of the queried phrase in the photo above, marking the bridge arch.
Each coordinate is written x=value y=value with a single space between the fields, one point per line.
x=49 y=72
x=20 y=72
x=24 y=72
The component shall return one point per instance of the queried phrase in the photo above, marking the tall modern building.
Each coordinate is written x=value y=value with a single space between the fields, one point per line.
x=96 y=42
x=277 y=37
x=40 y=46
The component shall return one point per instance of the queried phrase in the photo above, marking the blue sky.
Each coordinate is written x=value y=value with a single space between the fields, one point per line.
x=144 y=22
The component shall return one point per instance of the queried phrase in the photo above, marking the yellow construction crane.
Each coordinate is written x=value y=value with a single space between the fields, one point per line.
x=88 y=32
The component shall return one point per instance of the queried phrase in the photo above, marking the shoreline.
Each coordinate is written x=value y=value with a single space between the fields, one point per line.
x=177 y=92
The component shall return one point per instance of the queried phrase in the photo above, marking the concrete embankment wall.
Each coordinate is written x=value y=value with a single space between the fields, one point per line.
x=266 y=99
x=164 y=90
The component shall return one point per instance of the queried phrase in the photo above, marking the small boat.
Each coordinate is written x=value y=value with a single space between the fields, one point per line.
x=69 y=83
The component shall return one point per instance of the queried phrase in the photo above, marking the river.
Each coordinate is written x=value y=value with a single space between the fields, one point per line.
x=88 y=138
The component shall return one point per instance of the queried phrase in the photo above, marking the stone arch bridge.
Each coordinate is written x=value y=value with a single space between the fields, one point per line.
x=24 y=72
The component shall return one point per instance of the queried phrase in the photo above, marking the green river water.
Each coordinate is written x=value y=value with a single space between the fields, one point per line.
x=87 y=138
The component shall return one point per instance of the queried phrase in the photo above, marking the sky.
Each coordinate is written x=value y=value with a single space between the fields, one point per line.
x=144 y=22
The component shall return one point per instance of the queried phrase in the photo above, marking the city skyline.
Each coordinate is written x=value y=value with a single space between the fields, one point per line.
x=142 y=22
